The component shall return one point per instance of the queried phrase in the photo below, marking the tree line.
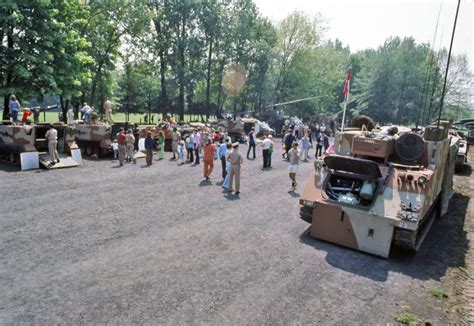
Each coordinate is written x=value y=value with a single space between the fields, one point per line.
x=211 y=56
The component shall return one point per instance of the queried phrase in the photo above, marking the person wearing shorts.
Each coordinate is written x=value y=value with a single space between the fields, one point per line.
x=294 y=157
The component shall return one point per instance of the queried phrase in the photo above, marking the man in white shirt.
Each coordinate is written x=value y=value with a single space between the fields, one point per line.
x=266 y=145
x=52 y=137
x=70 y=116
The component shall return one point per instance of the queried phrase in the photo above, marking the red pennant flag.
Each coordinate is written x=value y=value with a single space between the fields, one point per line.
x=347 y=85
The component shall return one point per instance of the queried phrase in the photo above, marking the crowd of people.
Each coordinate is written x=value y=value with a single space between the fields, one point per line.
x=203 y=145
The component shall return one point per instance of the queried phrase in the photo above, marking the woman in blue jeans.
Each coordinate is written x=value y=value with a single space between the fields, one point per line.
x=14 y=106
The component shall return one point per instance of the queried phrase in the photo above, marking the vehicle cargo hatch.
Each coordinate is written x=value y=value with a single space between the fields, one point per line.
x=353 y=165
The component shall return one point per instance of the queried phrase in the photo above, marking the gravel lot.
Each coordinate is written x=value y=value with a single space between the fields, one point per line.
x=136 y=245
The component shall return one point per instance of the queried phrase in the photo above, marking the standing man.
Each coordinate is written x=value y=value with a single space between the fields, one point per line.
x=122 y=142
x=266 y=144
x=130 y=139
x=325 y=142
x=149 y=144
x=252 y=143
x=52 y=137
x=197 y=145
x=36 y=115
x=190 y=147
x=208 y=158
x=222 y=156
x=136 y=134
x=294 y=156
x=175 y=137
x=108 y=110
x=288 y=140
x=14 y=106
x=70 y=115
x=236 y=161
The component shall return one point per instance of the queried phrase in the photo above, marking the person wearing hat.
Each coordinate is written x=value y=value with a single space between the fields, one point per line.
x=294 y=157
x=236 y=160
x=130 y=140
x=122 y=143
x=52 y=137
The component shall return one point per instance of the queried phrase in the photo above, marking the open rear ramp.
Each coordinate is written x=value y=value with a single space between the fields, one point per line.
x=65 y=161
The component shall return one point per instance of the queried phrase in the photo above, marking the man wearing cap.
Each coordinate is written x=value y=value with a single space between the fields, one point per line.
x=52 y=137
x=122 y=142
x=236 y=160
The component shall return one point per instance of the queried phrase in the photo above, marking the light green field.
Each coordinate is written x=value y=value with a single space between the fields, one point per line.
x=120 y=117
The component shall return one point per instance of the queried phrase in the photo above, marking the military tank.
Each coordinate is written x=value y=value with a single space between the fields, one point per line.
x=381 y=188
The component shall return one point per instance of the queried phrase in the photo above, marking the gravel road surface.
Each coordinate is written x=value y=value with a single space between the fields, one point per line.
x=135 y=245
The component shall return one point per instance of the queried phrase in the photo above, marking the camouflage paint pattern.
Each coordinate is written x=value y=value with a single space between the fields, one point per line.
x=404 y=199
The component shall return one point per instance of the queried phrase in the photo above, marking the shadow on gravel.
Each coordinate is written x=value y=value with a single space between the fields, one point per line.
x=294 y=194
x=205 y=183
x=444 y=247
x=231 y=197
x=9 y=167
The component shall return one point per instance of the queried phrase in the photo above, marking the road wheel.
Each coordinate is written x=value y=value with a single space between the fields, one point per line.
x=89 y=150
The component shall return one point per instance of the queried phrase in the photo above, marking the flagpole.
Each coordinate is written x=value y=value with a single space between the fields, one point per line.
x=344 y=113
x=347 y=87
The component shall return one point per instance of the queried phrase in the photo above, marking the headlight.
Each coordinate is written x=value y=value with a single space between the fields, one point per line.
x=307 y=203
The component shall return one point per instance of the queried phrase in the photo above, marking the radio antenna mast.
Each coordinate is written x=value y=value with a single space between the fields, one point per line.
x=447 y=65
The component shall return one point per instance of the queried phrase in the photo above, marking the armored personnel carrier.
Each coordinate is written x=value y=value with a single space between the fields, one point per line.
x=382 y=188
x=16 y=140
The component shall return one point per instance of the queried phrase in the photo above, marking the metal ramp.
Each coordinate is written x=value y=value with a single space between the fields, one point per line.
x=64 y=162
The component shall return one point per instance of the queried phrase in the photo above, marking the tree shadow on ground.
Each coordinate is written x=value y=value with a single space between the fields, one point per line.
x=444 y=247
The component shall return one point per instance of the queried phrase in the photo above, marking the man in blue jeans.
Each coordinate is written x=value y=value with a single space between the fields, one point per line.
x=252 y=143
x=14 y=106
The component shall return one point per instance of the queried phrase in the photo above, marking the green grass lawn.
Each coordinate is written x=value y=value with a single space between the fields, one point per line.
x=120 y=117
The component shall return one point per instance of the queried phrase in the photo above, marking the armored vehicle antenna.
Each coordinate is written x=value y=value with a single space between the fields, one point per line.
x=447 y=65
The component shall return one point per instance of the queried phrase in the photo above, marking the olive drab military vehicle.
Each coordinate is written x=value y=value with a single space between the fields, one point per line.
x=381 y=188
x=15 y=140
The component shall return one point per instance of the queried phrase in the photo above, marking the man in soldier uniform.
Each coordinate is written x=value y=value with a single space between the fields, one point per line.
x=236 y=160
x=108 y=110
x=52 y=137
x=175 y=137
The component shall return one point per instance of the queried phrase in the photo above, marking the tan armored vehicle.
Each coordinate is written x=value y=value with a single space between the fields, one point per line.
x=94 y=138
x=381 y=188
x=16 y=140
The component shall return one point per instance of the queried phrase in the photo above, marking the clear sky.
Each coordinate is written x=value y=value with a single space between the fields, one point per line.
x=367 y=23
